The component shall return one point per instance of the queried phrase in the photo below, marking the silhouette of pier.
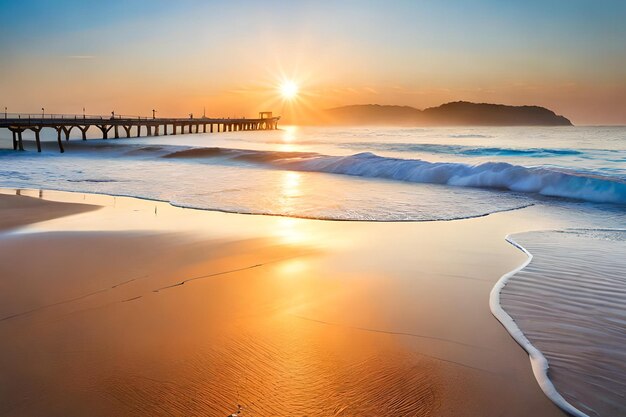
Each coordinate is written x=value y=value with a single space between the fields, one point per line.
x=117 y=126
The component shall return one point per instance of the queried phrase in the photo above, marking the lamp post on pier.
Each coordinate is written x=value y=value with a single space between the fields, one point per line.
x=5 y=112
x=153 y=114
x=83 y=113
x=43 y=111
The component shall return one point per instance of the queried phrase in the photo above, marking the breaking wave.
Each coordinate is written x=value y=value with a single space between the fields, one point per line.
x=465 y=150
x=544 y=181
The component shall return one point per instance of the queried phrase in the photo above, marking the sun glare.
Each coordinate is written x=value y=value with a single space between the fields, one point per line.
x=289 y=133
x=289 y=90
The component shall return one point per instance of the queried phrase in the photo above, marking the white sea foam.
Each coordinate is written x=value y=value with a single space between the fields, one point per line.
x=242 y=182
x=259 y=181
x=537 y=359
x=494 y=175
x=440 y=175
x=564 y=306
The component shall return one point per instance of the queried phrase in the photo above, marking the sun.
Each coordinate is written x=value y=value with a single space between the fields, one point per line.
x=289 y=90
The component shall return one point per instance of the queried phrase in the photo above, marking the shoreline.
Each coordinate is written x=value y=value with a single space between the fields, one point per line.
x=520 y=181
x=20 y=210
x=471 y=372
x=538 y=361
x=288 y=216
x=576 y=356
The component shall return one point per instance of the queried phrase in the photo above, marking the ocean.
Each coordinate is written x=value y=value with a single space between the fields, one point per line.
x=377 y=174
x=574 y=174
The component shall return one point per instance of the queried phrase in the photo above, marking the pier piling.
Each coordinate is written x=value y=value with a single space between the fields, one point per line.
x=18 y=123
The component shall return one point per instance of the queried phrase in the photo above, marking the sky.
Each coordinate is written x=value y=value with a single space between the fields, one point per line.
x=229 y=58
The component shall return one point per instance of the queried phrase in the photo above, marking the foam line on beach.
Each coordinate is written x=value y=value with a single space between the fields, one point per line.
x=337 y=218
x=187 y=205
x=538 y=361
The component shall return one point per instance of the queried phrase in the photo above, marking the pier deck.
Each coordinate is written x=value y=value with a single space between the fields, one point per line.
x=63 y=124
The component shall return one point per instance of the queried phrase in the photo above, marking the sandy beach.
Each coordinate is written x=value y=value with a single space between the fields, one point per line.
x=119 y=306
x=313 y=209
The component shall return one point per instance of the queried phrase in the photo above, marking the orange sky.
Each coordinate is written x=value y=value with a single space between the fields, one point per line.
x=231 y=57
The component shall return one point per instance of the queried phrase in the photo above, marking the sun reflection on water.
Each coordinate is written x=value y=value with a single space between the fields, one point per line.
x=288 y=138
x=289 y=191
x=289 y=133
x=291 y=183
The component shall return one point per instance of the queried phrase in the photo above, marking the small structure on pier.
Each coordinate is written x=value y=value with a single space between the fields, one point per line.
x=63 y=124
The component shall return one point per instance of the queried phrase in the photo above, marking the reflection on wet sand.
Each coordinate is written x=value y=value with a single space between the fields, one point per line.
x=186 y=312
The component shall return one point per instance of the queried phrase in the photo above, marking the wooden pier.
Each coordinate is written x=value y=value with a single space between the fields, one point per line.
x=114 y=126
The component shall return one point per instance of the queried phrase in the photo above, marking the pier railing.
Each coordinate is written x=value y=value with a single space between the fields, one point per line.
x=121 y=124
x=65 y=116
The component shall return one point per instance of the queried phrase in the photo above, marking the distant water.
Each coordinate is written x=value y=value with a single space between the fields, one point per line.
x=569 y=301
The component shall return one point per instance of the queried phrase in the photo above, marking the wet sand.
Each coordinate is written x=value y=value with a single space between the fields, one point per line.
x=569 y=304
x=141 y=308
x=16 y=210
